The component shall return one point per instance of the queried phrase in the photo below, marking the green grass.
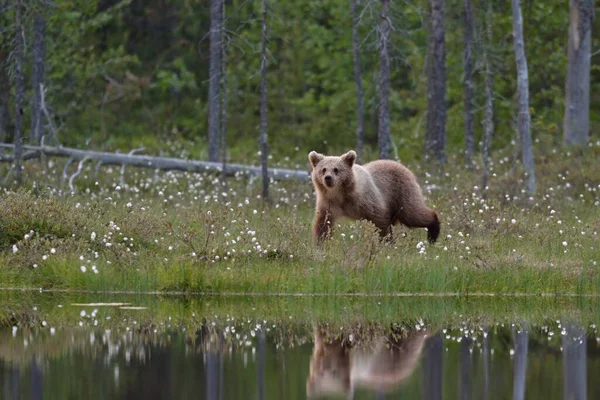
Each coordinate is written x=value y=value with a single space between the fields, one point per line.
x=29 y=308
x=55 y=324
x=195 y=233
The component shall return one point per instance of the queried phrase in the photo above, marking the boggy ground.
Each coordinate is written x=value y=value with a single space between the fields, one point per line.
x=147 y=231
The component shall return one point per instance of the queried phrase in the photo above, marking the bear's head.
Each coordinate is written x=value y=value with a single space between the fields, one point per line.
x=330 y=172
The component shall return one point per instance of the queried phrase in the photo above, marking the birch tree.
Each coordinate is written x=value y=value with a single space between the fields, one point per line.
x=214 y=99
x=574 y=362
x=520 y=340
x=360 y=113
x=39 y=66
x=468 y=83
x=577 y=92
x=488 y=118
x=523 y=119
x=433 y=367
x=435 y=124
x=263 y=103
x=384 y=140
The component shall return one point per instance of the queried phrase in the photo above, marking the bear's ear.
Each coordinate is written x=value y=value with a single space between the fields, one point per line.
x=315 y=158
x=349 y=158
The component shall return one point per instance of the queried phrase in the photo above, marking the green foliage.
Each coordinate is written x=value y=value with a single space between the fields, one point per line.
x=128 y=73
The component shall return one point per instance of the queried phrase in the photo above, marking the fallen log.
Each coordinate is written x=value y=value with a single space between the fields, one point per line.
x=161 y=163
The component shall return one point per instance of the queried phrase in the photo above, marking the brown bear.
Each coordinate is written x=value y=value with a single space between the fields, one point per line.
x=387 y=363
x=384 y=192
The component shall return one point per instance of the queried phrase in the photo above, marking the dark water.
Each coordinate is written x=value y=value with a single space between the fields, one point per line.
x=94 y=352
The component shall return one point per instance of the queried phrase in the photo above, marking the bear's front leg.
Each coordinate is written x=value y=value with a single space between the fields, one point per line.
x=322 y=225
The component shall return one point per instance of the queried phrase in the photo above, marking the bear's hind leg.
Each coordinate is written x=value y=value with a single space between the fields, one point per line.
x=423 y=219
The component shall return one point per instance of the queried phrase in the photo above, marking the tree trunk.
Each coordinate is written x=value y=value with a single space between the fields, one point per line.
x=223 y=93
x=488 y=119
x=212 y=371
x=360 y=113
x=39 y=61
x=19 y=92
x=574 y=362
x=486 y=364
x=263 y=104
x=435 y=135
x=577 y=92
x=465 y=365
x=520 y=341
x=384 y=140
x=214 y=97
x=162 y=163
x=524 y=119
x=260 y=376
x=4 y=97
x=433 y=367
x=468 y=84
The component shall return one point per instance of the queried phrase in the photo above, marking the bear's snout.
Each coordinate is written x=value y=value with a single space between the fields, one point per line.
x=329 y=180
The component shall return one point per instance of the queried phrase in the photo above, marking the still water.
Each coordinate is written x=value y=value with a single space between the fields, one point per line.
x=63 y=349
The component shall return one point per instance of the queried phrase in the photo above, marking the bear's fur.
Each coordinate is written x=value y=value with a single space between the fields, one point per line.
x=387 y=363
x=384 y=192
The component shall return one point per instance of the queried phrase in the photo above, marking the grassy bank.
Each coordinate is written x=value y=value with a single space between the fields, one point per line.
x=30 y=309
x=196 y=233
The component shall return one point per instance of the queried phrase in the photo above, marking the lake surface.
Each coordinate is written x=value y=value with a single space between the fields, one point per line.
x=76 y=347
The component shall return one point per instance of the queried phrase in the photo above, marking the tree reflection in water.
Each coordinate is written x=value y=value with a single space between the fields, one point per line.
x=243 y=360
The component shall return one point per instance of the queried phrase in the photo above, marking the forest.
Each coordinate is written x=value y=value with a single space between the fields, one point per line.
x=492 y=103
x=121 y=74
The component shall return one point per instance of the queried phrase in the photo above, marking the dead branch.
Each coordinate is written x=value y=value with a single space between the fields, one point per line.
x=66 y=168
x=158 y=163
x=53 y=130
x=122 y=178
x=77 y=173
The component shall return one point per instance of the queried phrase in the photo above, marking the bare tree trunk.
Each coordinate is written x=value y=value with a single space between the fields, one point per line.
x=488 y=119
x=260 y=377
x=433 y=368
x=223 y=94
x=384 y=140
x=39 y=61
x=4 y=97
x=263 y=104
x=468 y=84
x=214 y=105
x=435 y=135
x=212 y=383
x=36 y=382
x=19 y=92
x=577 y=91
x=161 y=163
x=486 y=365
x=574 y=363
x=520 y=340
x=524 y=119
x=465 y=367
x=360 y=112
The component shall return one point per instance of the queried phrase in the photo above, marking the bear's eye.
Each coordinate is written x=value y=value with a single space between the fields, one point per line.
x=335 y=170
x=324 y=170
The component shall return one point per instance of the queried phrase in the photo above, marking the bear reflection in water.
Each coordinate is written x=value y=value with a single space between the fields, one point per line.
x=337 y=368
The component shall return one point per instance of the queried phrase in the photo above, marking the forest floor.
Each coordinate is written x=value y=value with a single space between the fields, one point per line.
x=180 y=232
